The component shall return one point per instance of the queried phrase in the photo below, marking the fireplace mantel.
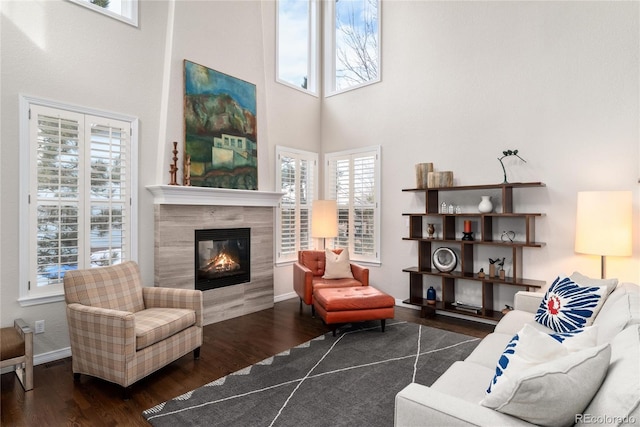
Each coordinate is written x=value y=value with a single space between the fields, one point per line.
x=183 y=195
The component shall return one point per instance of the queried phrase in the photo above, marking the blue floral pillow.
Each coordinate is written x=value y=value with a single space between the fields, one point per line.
x=568 y=306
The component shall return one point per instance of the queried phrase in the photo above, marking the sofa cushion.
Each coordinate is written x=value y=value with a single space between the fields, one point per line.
x=338 y=266
x=622 y=308
x=489 y=350
x=567 y=306
x=618 y=399
x=539 y=394
x=514 y=320
x=474 y=377
x=156 y=324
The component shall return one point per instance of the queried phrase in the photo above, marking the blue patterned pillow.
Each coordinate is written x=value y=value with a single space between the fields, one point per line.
x=567 y=306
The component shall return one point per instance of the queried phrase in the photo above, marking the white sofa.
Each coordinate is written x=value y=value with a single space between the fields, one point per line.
x=454 y=398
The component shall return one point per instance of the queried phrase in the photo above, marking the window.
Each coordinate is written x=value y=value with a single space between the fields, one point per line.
x=78 y=178
x=353 y=179
x=297 y=44
x=297 y=177
x=352 y=44
x=123 y=10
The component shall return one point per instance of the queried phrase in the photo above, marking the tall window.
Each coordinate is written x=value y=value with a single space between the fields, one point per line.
x=80 y=193
x=297 y=45
x=296 y=177
x=353 y=179
x=122 y=10
x=351 y=50
x=352 y=44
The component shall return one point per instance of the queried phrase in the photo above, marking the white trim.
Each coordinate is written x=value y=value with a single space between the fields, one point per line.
x=131 y=4
x=284 y=297
x=183 y=195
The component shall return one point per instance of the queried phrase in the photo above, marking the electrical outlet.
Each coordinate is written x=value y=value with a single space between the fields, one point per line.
x=39 y=326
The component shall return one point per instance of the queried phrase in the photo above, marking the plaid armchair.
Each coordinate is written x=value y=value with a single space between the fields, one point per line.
x=121 y=331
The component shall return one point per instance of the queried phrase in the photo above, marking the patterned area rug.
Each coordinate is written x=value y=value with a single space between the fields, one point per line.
x=347 y=380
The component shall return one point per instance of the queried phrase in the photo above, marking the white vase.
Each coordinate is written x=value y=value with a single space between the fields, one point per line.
x=485 y=205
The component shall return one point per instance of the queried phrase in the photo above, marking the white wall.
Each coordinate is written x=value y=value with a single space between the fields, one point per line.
x=462 y=81
x=68 y=53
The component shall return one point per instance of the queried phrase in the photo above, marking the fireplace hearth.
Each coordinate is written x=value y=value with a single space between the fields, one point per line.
x=222 y=257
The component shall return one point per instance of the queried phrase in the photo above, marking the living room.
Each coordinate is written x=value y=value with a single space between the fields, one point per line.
x=460 y=83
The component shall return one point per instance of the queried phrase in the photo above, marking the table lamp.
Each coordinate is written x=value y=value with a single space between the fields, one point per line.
x=603 y=224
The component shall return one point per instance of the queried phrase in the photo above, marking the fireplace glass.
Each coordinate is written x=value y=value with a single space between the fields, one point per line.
x=222 y=257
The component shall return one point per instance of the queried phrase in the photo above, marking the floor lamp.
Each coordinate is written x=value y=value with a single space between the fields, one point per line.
x=603 y=224
x=324 y=220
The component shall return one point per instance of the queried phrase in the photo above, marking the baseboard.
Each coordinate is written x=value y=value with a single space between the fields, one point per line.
x=39 y=359
x=399 y=303
x=284 y=297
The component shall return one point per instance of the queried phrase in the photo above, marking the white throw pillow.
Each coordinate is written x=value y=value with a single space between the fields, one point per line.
x=553 y=393
x=578 y=339
x=567 y=306
x=583 y=280
x=528 y=348
x=337 y=266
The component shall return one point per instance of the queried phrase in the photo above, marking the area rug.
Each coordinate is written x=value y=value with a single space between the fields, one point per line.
x=347 y=380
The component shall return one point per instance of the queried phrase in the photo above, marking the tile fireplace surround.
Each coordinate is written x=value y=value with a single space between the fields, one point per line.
x=179 y=211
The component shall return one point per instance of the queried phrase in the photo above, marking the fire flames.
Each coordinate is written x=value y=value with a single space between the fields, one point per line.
x=222 y=262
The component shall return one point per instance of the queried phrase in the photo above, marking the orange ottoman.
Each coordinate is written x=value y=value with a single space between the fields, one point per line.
x=355 y=304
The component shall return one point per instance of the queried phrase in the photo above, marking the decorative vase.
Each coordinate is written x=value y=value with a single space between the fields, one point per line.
x=431 y=229
x=485 y=205
x=431 y=296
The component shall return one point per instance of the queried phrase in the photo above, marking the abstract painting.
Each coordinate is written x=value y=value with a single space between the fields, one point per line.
x=221 y=144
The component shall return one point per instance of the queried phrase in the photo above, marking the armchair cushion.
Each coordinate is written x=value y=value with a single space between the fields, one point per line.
x=156 y=324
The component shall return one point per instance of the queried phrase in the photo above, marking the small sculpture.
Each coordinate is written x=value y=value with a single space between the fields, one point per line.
x=508 y=153
x=431 y=229
x=481 y=273
x=173 y=167
x=187 y=171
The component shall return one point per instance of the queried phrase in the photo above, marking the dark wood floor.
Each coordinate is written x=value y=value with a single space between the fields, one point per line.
x=228 y=346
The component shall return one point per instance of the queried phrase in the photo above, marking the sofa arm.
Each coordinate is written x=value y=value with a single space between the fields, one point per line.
x=303 y=282
x=93 y=329
x=190 y=299
x=417 y=404
x=527 y=301
x=360 y=273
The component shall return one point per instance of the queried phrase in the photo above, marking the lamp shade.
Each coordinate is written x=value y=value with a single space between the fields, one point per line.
x=603 y=223
x=324 y=218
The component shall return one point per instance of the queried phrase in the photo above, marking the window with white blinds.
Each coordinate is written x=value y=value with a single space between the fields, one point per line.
x=80 y=195
x=297 y=177
x=352 y=178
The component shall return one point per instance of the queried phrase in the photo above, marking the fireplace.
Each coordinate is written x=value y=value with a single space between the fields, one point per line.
x=222 y=257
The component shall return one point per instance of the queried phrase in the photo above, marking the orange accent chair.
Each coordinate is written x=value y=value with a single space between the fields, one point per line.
x=308 y=272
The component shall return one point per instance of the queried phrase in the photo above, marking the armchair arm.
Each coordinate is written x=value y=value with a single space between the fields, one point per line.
x=92 y=330
x=175 y=298
x=303 y=282
x=360 y=273
x=417 y=403
x=527 y=301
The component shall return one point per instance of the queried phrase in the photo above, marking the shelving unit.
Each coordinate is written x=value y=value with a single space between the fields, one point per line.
x=466 y=248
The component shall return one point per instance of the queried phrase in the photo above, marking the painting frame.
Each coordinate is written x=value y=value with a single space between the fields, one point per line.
x=220 y=129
